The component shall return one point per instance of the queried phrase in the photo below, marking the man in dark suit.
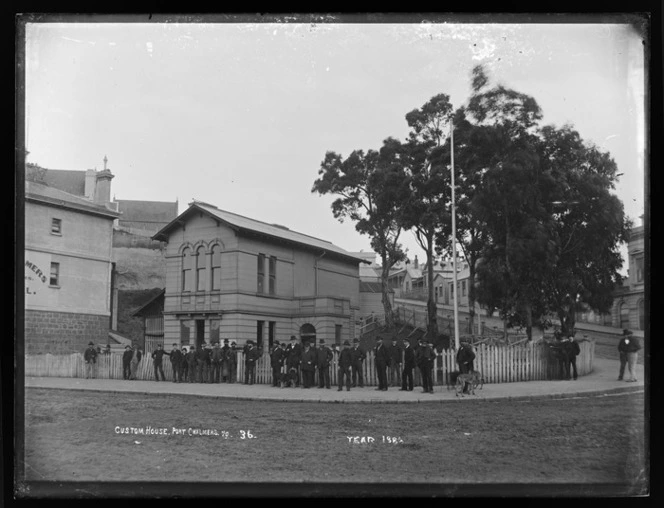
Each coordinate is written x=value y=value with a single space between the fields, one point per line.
x=250 y=359
x=184 y=365
x=465 y=359
x=345 y=363
x=157 y=359
x=215 y=359
x=294 y=353
x=308 y=364
x=126 y=362
x=324 y=356
x=90 y=357
x=395 y=363
x=381 y=359
x=408 y=366
x=276 y=361
x=358 y=355
x=192 y=364
x=201 y=363
x=423 y=359
x=226 y=362
x=176 y=359
x=571 y=350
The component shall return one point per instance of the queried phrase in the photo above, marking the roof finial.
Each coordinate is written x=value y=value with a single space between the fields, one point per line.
x=105 y=161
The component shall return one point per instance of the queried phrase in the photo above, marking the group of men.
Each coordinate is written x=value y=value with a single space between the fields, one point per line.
x=567 y=349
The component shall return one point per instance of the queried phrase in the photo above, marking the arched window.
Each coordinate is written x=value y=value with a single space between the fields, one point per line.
x=624 y=315
x=200 y=269
x=642 y=315
x=186 y=269
x=216 y=268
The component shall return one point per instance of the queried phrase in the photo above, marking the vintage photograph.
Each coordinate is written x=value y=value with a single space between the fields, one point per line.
x=237 y=229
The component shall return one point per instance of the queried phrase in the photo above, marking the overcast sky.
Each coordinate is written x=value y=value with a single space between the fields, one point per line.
x=241 y=115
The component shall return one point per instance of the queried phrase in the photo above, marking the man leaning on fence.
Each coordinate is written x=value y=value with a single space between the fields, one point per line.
x=90 y=357
x=157 y=359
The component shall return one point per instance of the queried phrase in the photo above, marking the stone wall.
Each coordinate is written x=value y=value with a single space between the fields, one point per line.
x=63 y=332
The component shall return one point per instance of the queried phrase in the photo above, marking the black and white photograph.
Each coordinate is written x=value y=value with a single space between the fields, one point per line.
x=237 y=229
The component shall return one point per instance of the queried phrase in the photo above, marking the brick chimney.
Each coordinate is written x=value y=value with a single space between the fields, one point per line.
x=90 y=184
x=103 y=187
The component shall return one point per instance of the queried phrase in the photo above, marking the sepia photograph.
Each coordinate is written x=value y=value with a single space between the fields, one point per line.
x=236 y=229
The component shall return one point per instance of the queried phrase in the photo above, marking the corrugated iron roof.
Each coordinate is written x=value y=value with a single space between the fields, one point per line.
x=276 y=231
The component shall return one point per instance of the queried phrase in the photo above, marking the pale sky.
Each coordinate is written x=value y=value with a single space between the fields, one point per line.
x=241 y=115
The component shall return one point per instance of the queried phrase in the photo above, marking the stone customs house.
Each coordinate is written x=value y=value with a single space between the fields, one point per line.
x=231 y=277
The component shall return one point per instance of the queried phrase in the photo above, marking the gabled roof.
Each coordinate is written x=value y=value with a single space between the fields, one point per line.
x=247 y=226
x=35 y=191
x=147 y=211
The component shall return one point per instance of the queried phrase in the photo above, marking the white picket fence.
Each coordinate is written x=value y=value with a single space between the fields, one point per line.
x=498 y=364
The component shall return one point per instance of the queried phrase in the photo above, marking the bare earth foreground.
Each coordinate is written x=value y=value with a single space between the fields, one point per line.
x=76 y=436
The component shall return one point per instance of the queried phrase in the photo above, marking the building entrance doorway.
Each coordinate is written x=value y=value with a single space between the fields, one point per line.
x=308 y=333
x=200 y=332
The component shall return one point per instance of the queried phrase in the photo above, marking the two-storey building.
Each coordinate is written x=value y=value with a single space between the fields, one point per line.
x=229 y=276
x=68 y=267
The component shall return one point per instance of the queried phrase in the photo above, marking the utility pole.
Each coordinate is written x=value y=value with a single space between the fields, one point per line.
x=454 y=254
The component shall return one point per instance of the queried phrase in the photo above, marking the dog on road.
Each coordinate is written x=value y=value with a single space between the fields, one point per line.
x=473 y=379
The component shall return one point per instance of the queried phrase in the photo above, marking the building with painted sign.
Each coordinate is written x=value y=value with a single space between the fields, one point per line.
x=68 y=269
x=233 y=277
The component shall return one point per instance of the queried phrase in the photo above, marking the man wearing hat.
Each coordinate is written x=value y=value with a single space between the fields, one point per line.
x=465 y=359
x=294 y=353
x=571 y=350
x=276 y=362
x=233 y=362
x=628 y=348
x=408 y=366
x=324 y=356
x=217 y=357
x=345 y=362
x=308 y=365
x=395 y=363
x=184 y=365
x=126 y=362
x=226 y=353
x=382 y=359
x=176 y=360
x=250 y=359
x=358 y=356
x=201 y=363
x=191 y=363
x=157 y=359
x=90 y=357
x=423 y=359
x=135 y=358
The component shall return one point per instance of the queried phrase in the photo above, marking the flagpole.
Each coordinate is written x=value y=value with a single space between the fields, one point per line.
x=454 y=255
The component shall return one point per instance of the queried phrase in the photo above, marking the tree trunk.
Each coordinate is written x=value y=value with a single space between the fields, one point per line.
x=432 y=324
x=387 y=305
x=528 y=310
